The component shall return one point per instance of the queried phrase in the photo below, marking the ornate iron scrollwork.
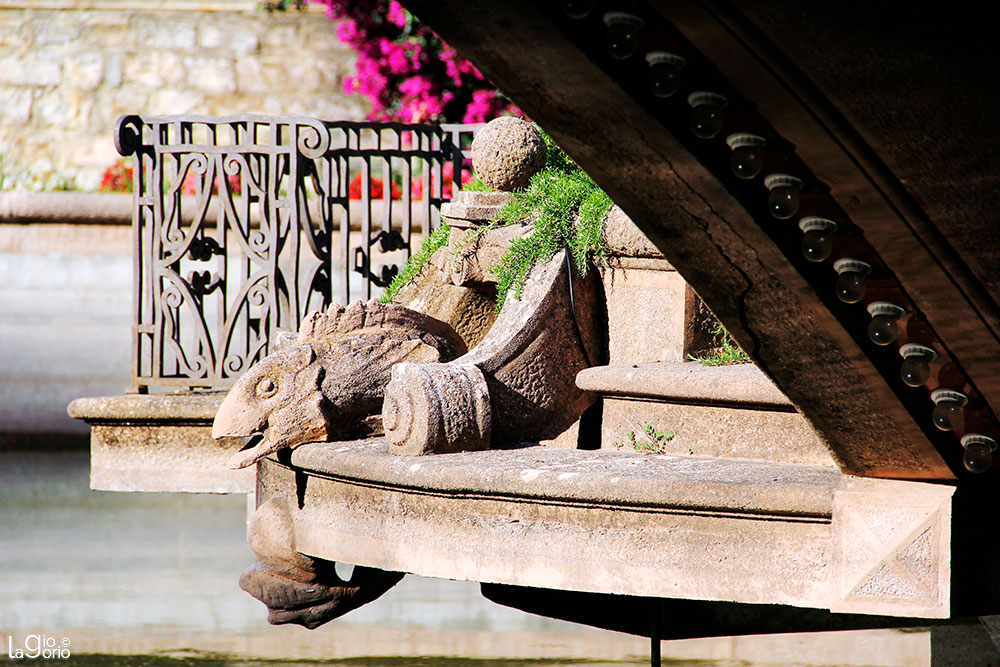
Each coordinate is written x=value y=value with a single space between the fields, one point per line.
x=271 y=203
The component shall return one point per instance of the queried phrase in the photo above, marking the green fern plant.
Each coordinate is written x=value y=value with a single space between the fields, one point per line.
x=566 y=210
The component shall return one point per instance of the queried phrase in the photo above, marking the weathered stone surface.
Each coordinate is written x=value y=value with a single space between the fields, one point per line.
x=327 y=384
x=726 y=411
x=297 y=588
x=470 y=311
x=159 y=443
x=570 y=519
x=471 y=262
x=646 y=313
x=529 y=360
x=33 y=69
x=17 y=107
x=95 y=63
x=624 y=238
x=728 y=431
x=84 y=71
x=230 y=39
x=436 y=408
x=469 y=208
x=892 y=548
x=215 y=75
x=507 y=153
x=66 y=207
x=737 y=384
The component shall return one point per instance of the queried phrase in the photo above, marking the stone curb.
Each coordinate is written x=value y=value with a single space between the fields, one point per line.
x=739 y=385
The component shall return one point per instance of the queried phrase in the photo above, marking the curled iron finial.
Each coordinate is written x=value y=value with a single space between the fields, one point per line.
x=312 y=137
x=128 y=134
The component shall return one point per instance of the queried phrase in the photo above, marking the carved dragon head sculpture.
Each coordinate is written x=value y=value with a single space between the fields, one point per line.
x=325 y=385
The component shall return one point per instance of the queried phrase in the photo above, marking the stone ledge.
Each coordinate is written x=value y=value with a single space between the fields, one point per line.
x=680 y=527
x=66 y=207
x=137 y=408
x=115 y=208
x=601 y=478
x=739 y=385
x=159 y=443
x=629 y=524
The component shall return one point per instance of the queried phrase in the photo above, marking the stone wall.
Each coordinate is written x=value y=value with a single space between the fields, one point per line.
x=69 y=68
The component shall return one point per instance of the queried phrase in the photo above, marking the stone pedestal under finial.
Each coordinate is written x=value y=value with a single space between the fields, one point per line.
x=505 y=155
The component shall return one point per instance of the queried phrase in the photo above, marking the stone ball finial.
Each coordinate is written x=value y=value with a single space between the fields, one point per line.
x=507 y=153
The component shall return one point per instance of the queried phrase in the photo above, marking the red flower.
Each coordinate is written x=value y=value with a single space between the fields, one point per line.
x=447 y=171
x=374 y=188
x=117 y=177
x=189 y=185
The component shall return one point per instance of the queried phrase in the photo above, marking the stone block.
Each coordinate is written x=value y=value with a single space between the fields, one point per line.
x=113 y=71
x=84 y=71
x=54 y=109
x=555 y=518
x=155 y=69
x=109 y=104
x=104 y=29
x=280 y=37
x=232 y=36
x=166 y=30
x=36 y=68
x=13 y=33
x=215 y=75
x=173 y=101
x=892 y=548
x=16 y=108
x=646 y=319
x=715 y=430
x=321 y=35
x=57 y=28
x=624 y=238
x=272 y=75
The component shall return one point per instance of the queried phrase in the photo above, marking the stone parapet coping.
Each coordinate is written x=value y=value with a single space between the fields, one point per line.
x=621 y=481
x=135 y=408
x=89 y=208
x=738 y=385
x=115 y=208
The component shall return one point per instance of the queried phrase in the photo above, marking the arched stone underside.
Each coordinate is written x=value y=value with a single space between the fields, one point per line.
x=885 y=126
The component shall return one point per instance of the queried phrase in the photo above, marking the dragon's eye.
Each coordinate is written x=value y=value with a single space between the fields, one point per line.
x=266 y=388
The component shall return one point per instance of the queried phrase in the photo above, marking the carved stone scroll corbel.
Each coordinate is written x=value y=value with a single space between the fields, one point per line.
x=517 y=385
x=444 y=408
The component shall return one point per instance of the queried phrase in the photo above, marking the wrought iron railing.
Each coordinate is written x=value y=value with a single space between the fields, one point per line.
x=243 y=224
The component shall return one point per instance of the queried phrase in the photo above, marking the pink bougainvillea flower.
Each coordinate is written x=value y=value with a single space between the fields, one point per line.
x=407 y=72
x=396 y=14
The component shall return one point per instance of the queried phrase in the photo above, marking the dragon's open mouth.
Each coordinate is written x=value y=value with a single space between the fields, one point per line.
x=254 y=448
x=251 y=441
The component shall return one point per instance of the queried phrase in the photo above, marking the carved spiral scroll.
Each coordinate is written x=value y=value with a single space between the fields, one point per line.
x=436 y=409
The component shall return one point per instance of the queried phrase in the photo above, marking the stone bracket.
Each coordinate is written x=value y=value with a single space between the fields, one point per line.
x=892 y=548
x=518 y=384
